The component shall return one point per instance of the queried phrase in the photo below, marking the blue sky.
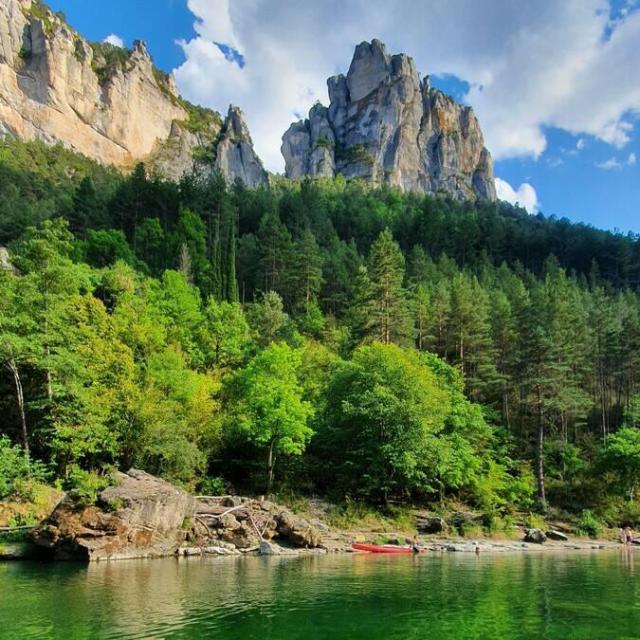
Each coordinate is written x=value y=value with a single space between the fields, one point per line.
x=556 y=88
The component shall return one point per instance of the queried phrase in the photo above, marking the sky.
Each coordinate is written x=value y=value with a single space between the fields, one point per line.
x=554 y=83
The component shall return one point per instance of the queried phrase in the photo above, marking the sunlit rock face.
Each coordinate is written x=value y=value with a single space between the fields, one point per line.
x=386 y=126
x=116 y=109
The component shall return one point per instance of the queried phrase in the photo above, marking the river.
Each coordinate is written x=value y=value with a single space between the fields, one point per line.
x=590 y=595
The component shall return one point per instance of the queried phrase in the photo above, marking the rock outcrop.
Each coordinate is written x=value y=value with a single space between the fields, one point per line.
x=386 y=126
x=246 y=523
x=108 y=103
x=235 y=155
x=141 y=516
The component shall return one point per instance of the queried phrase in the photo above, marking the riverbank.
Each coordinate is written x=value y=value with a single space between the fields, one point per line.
x=141 y=516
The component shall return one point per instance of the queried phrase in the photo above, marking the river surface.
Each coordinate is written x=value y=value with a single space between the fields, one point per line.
x=594 y=596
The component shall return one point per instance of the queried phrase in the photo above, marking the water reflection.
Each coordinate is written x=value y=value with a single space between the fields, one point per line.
x=440 y=596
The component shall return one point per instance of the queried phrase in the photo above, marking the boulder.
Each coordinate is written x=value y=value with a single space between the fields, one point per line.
x=427 y=524
x=269 y=549
x=242 y=536
x=297 y=530
x=535 y=536
x=140 y=516
x=552 y=534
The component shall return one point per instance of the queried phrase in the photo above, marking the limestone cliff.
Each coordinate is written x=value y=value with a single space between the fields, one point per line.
x=387 y=127
x=110 y=104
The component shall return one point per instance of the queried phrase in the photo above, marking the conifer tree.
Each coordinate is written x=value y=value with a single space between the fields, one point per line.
x=389 y=310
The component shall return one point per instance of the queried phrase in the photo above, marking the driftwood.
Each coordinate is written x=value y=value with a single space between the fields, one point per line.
x=224 y=513
x=253 y=522
x=204 y=524
x=22 y=528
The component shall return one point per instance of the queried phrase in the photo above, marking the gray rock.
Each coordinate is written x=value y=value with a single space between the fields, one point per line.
x=552 y=534
x=385 y=126
x=269 y=549
x=236 y=158
x=430 y=524
x=535 y=536
x=189 y=551
x=141 y=516
x=297 y=530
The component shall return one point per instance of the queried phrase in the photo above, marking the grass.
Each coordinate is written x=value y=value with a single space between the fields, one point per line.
x=351 y=516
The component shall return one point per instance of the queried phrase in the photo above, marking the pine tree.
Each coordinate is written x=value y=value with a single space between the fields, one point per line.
x=360 y=317
x=274 y=241
x=390 y=311
x=231 y=280
x=305 y=273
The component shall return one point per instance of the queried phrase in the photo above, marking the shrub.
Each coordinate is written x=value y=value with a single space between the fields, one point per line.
x=213 y=486
x=588 y=525
x=84 y=486
x=17 y=472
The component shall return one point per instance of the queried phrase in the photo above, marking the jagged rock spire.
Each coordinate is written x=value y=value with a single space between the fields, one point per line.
x=385 y=126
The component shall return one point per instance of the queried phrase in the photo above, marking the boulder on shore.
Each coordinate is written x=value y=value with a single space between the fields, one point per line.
x=535 y=536
x=141 y=516
x=552 y=534
x=428 y=524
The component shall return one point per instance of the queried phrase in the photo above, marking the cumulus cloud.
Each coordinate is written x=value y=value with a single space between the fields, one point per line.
x=115 y=40
x=530 y=66
x=525 y=195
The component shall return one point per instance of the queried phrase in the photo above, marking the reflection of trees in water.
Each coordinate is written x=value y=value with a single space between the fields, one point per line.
x=434 y=596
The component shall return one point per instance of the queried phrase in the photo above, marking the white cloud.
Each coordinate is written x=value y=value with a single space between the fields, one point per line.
x=525 y=195
x=613 y=164
x=581 y=144
x=530 y=65
x=115 y=40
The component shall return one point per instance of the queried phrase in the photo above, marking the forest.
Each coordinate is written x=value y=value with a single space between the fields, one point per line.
x=424 y=349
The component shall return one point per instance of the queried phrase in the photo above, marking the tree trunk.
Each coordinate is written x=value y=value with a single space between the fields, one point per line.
x=542 y=498
x=271 y=461
x=20 y=399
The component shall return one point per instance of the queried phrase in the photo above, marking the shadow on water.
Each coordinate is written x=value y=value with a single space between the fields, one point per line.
x=550 y=595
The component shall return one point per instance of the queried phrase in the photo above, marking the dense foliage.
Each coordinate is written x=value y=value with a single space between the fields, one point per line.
x=419 y=347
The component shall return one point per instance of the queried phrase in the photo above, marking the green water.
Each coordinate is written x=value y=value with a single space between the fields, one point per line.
x=565 y=596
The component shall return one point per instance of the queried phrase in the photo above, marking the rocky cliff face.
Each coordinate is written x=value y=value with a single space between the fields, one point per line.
x=108 y=103
x=387 y=127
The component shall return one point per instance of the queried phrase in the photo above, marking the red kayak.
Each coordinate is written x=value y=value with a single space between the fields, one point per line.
x=382 y=548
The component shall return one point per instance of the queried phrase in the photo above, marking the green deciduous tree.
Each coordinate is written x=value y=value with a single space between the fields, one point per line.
x=269 y=408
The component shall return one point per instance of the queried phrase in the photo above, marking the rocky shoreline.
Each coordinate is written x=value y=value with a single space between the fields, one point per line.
x=141 y=516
